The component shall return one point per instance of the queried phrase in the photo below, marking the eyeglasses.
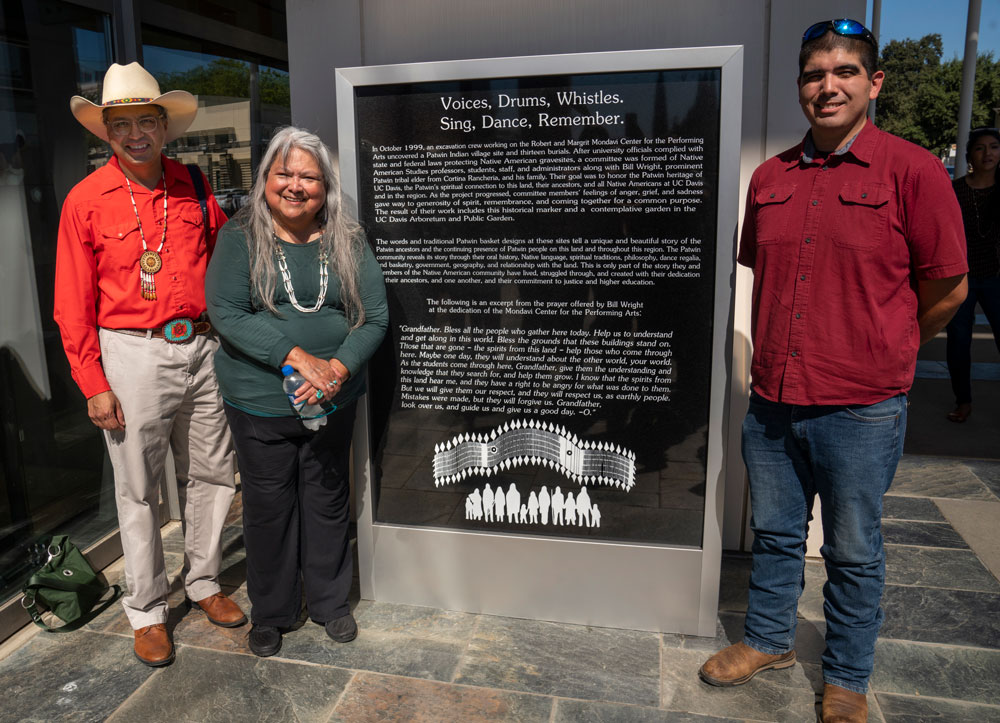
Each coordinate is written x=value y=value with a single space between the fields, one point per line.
x=123 y=126
x=844 y=26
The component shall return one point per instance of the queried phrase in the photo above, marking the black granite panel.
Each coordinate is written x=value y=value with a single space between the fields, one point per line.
x=425 y=508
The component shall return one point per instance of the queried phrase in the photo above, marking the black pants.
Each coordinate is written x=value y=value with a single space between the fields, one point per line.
x=295 y=514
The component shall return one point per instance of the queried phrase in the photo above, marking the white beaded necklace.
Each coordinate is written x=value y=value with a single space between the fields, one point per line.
x=286 y=277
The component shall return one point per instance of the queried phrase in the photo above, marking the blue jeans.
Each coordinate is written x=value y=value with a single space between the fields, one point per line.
x=848 y=456
x=959 y=347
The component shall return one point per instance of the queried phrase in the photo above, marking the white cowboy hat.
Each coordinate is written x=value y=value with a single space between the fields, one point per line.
x=133 y=85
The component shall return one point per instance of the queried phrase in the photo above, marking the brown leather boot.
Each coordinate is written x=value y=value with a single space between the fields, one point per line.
x=153 y=646
x=738 y=663
x=221 y=611
x=843 y=706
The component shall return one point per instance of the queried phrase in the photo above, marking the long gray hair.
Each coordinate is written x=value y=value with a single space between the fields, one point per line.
x=342 y=239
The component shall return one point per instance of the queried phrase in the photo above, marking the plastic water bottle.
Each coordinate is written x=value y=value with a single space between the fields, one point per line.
x=313 y=415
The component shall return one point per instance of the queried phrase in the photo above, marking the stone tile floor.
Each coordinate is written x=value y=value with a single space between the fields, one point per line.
x=938 y=658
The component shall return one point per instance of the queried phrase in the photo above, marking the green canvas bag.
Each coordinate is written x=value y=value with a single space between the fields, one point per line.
x=68 y=586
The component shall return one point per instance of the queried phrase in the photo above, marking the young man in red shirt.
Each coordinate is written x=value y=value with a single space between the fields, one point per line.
x=133 y=248
x=855 y=241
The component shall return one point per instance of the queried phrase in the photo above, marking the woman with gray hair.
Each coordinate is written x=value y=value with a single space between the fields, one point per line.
x=292 y=282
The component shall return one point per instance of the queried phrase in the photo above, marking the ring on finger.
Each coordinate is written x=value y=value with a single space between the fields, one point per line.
x=319 y=393
x=332 y=384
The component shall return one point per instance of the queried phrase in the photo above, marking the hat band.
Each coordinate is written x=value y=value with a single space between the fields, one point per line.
x=122 y=101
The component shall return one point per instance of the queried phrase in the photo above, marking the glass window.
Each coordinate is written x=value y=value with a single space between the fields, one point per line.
x=230 y=131
x=54 y=474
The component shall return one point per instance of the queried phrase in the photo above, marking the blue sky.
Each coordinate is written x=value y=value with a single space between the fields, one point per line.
x=917 y=18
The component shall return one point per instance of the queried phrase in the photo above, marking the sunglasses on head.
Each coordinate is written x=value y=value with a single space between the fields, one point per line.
x=844 y=26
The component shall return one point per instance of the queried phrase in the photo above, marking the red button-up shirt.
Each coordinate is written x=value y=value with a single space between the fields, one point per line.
x=97 y=261
x=837 y=246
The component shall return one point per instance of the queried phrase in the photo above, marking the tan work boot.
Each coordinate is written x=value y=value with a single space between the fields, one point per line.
x=738 y=663
x=843 y=706
x=153 y=646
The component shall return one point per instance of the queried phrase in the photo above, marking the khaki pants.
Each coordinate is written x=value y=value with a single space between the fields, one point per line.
x=170 y=399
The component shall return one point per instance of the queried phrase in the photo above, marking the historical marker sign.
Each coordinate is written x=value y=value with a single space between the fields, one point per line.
x=553 y=244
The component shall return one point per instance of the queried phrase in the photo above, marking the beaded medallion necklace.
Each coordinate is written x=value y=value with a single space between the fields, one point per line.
x=150 y=261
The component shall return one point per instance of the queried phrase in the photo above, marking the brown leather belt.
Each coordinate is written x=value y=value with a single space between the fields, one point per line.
x=175 y=331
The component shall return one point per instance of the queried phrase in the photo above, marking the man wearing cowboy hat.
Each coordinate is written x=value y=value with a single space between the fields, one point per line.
x=134 y=243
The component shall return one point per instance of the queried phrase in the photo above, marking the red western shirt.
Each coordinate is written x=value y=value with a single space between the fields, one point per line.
x=837 y=246
x=97 y=261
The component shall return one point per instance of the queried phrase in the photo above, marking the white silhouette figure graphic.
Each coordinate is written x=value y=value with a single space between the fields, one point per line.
x=477 y=505
x=557 y=507
x=513 y=503
x=583 y=507
x=488 y=502
x=533 y=507
x=492 y=504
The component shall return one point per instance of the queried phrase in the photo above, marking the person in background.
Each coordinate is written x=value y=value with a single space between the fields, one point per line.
x=979 y=197
x=132 y=251
x=293 y=282
x=855 y=243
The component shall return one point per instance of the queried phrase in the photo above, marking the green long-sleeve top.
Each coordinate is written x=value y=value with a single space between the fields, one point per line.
x=255 y=341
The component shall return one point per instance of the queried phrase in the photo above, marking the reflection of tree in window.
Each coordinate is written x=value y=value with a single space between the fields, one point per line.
x=229 y=77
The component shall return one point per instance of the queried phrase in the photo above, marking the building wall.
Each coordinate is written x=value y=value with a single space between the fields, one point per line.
x=324 y=36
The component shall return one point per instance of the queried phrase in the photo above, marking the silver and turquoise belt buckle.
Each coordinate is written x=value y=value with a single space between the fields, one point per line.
x=178 y=331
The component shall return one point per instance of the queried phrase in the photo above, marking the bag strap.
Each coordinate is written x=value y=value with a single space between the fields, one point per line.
x=56 y=584
x=36 y=617
x=199 y=189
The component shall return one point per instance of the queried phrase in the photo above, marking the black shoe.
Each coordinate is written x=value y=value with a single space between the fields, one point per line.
x=343 y=629
x=264 y=640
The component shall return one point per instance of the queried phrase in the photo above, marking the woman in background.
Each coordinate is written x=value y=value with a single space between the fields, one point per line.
x=979 y=197
x=292 y=282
